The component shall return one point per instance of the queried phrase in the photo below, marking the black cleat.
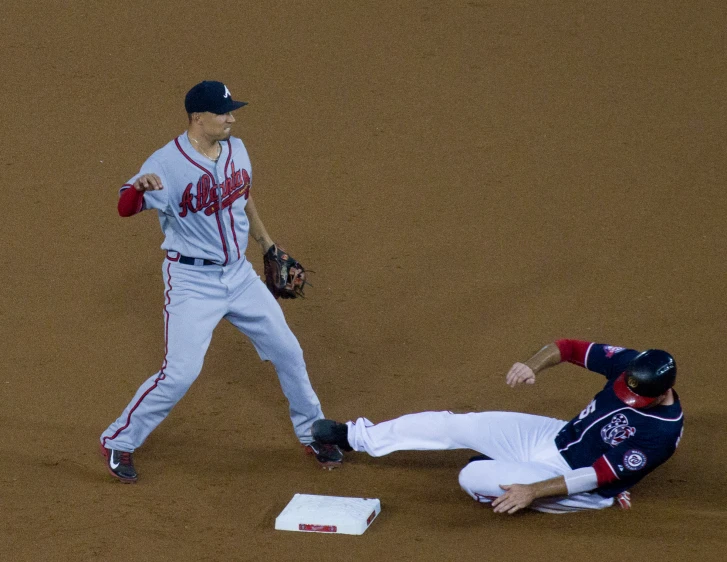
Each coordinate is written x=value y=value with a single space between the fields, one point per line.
x=328 y=455
x=120 y=464
x=331 y=432
x=479 y=458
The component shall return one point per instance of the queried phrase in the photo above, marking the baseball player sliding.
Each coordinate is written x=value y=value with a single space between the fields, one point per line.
x=199 y=184
x=629 y=428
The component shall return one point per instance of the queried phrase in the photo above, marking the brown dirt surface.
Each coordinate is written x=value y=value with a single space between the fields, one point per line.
x=469 y=180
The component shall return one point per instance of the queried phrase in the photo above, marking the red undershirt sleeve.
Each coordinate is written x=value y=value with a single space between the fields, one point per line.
x=130 y=201
x=604 y=472
x=573 y=351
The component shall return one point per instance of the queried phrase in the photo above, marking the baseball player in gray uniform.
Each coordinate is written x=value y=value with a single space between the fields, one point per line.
x=199 y=184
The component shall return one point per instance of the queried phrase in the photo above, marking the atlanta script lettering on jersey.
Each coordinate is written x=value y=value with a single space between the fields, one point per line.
x=205 y=199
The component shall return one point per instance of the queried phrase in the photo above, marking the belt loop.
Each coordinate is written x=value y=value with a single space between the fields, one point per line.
x=170 y=258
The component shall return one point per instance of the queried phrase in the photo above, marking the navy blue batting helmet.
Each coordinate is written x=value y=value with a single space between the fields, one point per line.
x=649 y=375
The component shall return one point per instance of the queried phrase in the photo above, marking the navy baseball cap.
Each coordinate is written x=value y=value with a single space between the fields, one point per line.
x=211 y=96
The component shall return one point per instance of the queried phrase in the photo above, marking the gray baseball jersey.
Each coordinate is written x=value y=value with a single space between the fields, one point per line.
x=202 y=206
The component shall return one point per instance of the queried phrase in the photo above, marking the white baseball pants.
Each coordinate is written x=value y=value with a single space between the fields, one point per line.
x=521 y=445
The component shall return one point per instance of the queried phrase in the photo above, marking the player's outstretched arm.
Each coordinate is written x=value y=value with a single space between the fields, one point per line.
x=524 y=373
x=257 y=228
x=520 y=496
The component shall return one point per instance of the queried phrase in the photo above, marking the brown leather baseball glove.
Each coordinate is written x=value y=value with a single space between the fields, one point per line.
x=284 y=276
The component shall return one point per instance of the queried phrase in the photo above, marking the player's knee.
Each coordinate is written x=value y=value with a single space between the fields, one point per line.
x=466 y=481
x=478 y=481
x=179 y=376
x=174 y=388
x=290 y=355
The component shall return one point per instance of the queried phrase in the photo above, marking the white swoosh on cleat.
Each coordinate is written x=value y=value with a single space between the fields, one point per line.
x=111 y=460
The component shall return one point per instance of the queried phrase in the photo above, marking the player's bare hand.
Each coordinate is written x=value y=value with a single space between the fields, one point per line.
x=148 y=182
x=515 y=498
x=520 y=373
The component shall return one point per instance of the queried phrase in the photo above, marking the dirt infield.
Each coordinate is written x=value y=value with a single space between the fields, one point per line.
x=469 y=180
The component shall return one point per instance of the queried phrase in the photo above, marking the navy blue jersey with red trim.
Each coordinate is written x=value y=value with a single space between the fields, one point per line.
x=622 y=443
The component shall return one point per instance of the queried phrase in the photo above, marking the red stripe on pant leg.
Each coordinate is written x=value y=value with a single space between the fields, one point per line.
x=162 y=374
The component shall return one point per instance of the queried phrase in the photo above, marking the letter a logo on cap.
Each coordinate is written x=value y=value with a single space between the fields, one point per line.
x=227 y=93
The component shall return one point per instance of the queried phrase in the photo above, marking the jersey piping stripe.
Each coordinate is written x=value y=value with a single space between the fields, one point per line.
x=680 y=416
x=232 y=219
x=217 y=214
x=162 y=375
x=605 y=474
x=234 y=235
x=585 y=359
x=611 y=467
x=229 y=155
x=612 y=412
